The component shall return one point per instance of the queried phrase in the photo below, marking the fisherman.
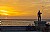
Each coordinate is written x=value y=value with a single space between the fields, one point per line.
x=39 y=16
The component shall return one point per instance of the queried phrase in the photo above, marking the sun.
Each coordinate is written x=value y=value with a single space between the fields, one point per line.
x=10 y=11
x=3 y=12
x=6 y=10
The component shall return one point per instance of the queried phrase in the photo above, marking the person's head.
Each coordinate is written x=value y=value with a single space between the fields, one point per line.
x=39 y=10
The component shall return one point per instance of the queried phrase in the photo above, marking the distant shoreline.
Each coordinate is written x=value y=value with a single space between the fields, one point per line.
x=27 y=19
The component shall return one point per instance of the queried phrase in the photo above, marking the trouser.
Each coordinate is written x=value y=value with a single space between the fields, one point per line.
x=39 y=18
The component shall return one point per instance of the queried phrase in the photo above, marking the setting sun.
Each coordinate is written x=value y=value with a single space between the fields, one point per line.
x=9 y=11
x=5 y=10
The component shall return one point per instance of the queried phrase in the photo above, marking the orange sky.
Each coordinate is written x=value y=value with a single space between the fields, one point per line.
x=25 y=8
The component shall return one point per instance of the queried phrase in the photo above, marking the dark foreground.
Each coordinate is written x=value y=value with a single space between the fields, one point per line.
x=18 y=29
x=24 y=29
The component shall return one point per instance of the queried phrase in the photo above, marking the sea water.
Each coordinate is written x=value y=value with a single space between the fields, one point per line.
x=20 y=22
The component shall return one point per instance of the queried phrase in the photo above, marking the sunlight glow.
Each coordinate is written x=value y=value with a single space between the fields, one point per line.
x=5 y=14
x=3 y=11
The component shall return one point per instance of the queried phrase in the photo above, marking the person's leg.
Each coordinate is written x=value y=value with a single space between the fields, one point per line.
x=38 y=18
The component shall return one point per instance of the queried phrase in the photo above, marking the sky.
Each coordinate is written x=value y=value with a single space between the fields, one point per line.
x=25 y=8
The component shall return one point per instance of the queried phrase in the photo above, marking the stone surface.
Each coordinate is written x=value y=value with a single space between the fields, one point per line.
x=40 y=23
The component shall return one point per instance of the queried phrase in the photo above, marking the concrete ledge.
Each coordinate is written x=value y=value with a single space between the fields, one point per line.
x=40 y=23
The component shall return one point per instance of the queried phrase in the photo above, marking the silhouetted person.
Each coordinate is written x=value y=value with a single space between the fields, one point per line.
x=39 y=16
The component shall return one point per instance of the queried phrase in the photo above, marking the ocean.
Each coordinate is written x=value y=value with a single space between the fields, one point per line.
x=20 y=22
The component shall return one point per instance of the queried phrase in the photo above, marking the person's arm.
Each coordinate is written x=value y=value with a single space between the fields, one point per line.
x=40 y=13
